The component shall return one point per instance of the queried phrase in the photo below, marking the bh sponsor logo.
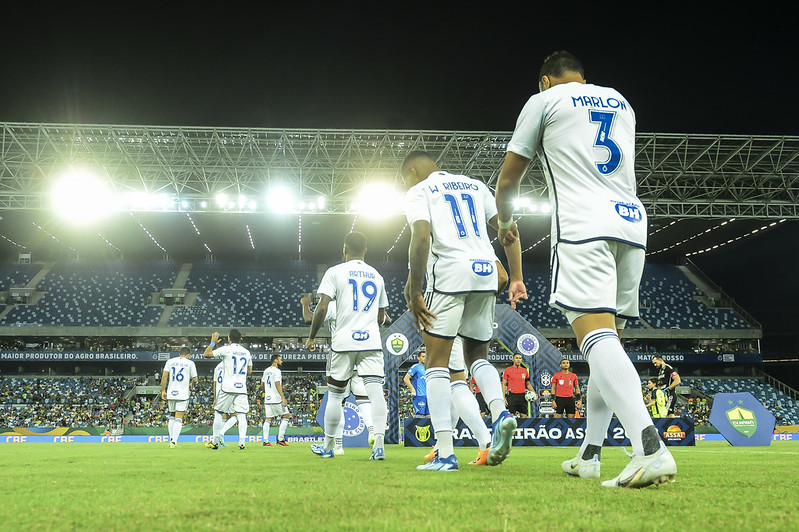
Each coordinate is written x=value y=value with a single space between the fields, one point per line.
x=482 y=268
x=360 y=336
x=629 y=212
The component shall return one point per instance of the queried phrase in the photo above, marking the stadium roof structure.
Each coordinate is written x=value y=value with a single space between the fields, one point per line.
x=698 y=189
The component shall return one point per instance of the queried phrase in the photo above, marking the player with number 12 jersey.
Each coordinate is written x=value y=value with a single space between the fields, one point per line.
x=236 y=360
x=584 y=136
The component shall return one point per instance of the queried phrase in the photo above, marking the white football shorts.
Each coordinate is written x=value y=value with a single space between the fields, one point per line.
x=341 y=366
x=273 y=410
x=232 y=402
x=470 y=314
x=177 y=406
x=596 y=276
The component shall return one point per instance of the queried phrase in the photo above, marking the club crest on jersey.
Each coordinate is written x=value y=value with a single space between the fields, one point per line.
x=629 y=212
x=360 y=336
x=482 y=268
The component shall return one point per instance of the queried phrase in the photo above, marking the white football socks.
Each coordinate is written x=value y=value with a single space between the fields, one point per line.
x=242 y=418
x=618 y=382
x=467 y=408
x=281 y=431
x=487 y=379
x=374 y=389
x=439 y=399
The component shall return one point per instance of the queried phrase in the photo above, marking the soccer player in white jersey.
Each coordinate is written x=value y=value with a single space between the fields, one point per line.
x=181 y=375
x=232 y=397
x=450 y=247
x=361 y=301
x=275 y=404
x=230 y=420
x=584 y=136
x=356 y=382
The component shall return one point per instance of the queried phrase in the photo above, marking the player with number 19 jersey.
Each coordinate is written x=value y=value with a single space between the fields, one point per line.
x=358 y=288
x=457 y=207
x=235 y=359
x=584 y=136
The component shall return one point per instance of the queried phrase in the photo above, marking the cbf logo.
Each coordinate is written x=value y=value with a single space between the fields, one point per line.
x=482 y=268
x=742 y=420
x=629 y=212
x=422 y=433
x=353 y=421
x=397 y=344
x=546 y=379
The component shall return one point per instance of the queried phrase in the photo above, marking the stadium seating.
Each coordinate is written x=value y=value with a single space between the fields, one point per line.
x=109 y=293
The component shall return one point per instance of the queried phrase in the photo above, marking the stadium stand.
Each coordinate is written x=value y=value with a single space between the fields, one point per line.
x=89 y=293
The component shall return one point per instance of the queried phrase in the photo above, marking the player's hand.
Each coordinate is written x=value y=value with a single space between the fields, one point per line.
x=163 y=395
x=508 y=237
x=309 y=344
x=516 y=292
x=306 y=299
x=215 y=337
x=421 y=314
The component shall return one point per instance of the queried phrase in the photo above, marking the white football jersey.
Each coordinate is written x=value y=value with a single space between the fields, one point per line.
x=235 y=359
x=272 y=375
x=359 y=291
x=218 y=371
x=458 y=208
x=330 y=317
x=585 y=137
x=181 y=371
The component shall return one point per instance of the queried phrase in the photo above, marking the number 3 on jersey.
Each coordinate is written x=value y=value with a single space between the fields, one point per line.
x=603 y=140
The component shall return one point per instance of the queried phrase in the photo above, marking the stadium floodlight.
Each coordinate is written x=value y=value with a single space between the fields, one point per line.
x=321 y=201
x=281 y=199
x=380 y=200
x=520 y=203
x=221 y=200
x=81 y=197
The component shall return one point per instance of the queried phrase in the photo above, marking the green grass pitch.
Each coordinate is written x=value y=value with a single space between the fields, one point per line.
x=131 y=486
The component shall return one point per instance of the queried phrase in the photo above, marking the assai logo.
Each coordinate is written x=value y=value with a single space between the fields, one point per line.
x=673 y=433
x=353 y=421
x=482 y=268
x=360 y=336
x=742 y=420
x=528 y=344
x=397 y=344
x=629 y=212
x=422 y=433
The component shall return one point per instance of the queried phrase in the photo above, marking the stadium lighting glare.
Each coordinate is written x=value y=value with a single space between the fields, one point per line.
x=203 y=204
x=545 y=208
x=281 y=199
x=519 y=203
x=380 y=200
x=81 y=197
x=321 y=201
x=221 y=199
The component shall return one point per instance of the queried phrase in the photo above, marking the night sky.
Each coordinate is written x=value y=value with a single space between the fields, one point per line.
x=716 y=68
x=453 y=66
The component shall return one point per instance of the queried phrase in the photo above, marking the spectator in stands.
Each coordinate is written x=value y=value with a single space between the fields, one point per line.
x=670 y=379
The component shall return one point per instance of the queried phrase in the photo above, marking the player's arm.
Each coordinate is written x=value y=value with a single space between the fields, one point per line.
x=516 y=289
x=552 y=391
x=164 y=381
x=194 y=382
x=472 y=386
x=504 y=384
x=279 y=388
x=507 y=190
x=318 y=318
x=385 y=321
x=407 y=381
x=209 y=351
x=675 y=380
x=417 y=257
x=305 y=302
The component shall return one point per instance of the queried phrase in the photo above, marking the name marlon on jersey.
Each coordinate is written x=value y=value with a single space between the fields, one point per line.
x=596 y=101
